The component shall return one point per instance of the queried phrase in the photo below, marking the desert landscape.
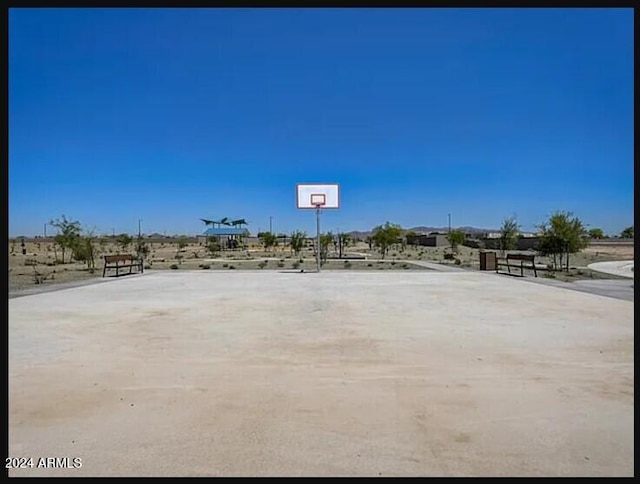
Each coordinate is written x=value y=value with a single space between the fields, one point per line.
x=37 y=266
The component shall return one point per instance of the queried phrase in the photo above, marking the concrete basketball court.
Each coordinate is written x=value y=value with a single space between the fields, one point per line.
x=331 y=374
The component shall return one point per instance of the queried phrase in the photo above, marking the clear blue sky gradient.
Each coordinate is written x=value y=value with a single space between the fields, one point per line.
x=170 y=115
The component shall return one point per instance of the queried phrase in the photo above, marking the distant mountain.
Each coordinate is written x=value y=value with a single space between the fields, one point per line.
x=359 y=235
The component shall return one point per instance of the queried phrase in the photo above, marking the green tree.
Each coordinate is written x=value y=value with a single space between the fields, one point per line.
x=124 y=241
x=551 y=246
x=509 y=234
x=213 y=245
x=325 y=241
x=627 y=233
x=343 y=241
x=84 y=249
x=596 y=234
x=268 y=239
x=68 y=232
x=563 y=235
x=297 y=241
x=456 y=238
x=384 y=236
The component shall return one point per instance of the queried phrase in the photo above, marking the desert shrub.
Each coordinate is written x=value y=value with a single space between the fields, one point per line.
x=457 y=262
x=206 y=266
x=39 y=278
x=296 y=265
x=369 y=264
x=393 y=263
x=280 y=264
x=147 y=266
x=173 y=266
x=262 y=264
x=347 y=264
x=225 y=265
x=232 y=267
x=549 y=275
x=405 y=266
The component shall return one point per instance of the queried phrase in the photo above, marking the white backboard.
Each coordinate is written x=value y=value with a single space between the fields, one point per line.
x=306 y=193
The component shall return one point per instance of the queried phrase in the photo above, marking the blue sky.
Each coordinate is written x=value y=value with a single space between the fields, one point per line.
x=170 y=115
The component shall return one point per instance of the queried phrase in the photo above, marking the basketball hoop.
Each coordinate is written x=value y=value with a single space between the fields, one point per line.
x=318 y=200
x=318 y=197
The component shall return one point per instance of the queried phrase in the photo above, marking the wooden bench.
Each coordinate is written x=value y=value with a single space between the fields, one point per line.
x=122 y=261
x=521 y=258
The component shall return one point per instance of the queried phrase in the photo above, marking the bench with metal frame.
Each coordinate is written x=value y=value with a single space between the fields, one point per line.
x=122 y=261
x=521 y=258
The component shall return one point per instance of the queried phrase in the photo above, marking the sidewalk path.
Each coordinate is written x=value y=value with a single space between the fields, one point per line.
x=622 y=268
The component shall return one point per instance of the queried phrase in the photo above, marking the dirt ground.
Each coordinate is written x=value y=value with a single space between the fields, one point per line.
x=38 y=265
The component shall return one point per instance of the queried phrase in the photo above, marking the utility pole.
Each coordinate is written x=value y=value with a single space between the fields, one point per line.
x=45 y=230
x=270 y=224
x=449 y=222
x=139 y=231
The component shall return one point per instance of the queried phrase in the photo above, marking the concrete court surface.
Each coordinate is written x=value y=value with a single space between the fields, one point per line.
x=332 y=374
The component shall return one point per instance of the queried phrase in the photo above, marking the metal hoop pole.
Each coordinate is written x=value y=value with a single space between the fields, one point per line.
x=318 y=237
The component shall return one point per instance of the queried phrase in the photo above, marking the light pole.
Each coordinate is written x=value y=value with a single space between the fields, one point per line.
x=449 y=222
x=270 y=224
x=139 y=231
